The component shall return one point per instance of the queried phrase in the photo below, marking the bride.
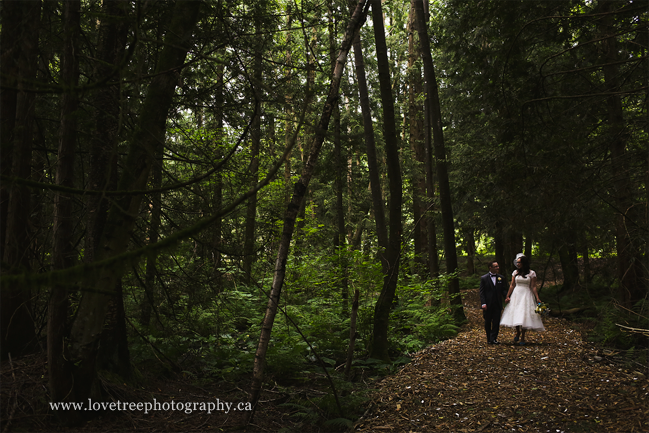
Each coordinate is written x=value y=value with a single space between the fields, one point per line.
x=519 y=312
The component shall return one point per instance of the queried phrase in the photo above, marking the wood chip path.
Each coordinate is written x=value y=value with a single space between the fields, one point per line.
x=556 y=383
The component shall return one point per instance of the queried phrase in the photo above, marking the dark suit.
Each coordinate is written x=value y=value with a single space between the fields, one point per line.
x=492 y=296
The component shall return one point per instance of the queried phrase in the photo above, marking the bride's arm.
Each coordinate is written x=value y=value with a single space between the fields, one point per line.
x=511 y=289
x=533 y=286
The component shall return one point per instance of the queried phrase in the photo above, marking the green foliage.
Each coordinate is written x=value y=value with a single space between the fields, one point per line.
x=603 y=315
x=323 y=409
x=351 y=402
x=614 y=329
x=302 y=412
x=606 y=332
x=317 y=273
x=614 y=320
x=217 y=335
x=470 y=282
x=340 y=424
x=286 y=355
x=215 y=340
x=417 y=320
x=379 y=366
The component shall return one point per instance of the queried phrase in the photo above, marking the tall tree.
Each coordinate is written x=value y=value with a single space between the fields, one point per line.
x=148 y=300
x=17 y=327
x=150 y=134
x=63 y=250
x=629 y=255
x=255 y=137
x=10 y=37
x=340 y=176
x=113 y=354
x=435 y=116
x=393 y=250
x=293 y=208
x=416 y=139
x=103 y=173
x=372 y=160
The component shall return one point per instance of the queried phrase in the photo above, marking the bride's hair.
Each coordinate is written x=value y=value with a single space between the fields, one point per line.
x=525 y=267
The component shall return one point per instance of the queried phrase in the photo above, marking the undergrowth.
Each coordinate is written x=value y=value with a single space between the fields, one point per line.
x=216 y=339
x=611 y=326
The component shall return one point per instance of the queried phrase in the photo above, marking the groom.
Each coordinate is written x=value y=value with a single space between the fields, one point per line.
x=493 y=289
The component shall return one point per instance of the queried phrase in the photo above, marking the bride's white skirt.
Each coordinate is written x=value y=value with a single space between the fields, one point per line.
x=520 y=310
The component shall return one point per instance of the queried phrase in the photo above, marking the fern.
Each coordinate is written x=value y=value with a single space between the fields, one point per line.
x=340 y=423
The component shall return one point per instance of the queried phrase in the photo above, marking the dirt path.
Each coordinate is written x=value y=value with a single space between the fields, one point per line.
x=556 y=383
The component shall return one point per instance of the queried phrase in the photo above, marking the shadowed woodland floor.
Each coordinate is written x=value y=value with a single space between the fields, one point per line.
x=556 y=383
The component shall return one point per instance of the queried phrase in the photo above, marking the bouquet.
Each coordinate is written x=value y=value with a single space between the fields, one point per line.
x=542 y=309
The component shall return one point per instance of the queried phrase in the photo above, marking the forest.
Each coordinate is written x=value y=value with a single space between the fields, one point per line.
x=265 y=194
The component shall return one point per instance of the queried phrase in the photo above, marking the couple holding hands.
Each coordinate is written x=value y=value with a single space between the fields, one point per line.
x=521 y=297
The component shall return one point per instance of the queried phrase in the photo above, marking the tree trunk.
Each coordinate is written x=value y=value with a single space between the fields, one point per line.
x=301 y=186
x=528 y=247
x=340 y=236
x=148 y=302
x=370 y=145
x=469 y=239
x=288 y=113
x=586 y=258
x=506 y=267
x=14 y=30
x=304 y=150
x=383 y=305
x=113 y=354
x=218 y=183
x=513 y=245
x=112 y=41
x=102 y=160
x=103 y=147
x=16 y=326
x=431 y=225
x=63 y=255
x=568 y=267
x=432 y=99
x=352 y=336
x=340 y=177
x=357 y=235
x=149 y=135
x=253 y=168
x=417 y=142
x=629 y=255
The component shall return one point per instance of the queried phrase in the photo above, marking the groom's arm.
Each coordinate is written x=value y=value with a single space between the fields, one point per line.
x=483 y=295
x=503 y=286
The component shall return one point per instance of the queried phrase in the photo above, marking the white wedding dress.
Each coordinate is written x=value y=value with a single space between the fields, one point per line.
x=520 y=309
